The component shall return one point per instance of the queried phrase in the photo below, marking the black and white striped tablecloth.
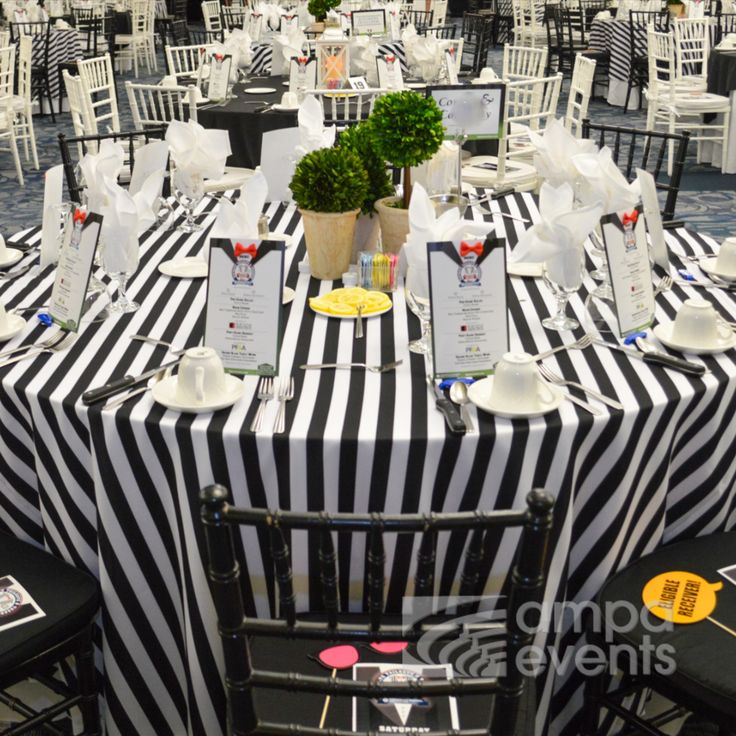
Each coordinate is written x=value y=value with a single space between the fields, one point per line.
x=116 y=491
x=613 y=36
x=263 y=54
x=64 y=45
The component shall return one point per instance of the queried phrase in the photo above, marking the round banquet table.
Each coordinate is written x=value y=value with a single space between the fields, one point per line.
x=722 y=81
x=115 y=491
x=245 y=126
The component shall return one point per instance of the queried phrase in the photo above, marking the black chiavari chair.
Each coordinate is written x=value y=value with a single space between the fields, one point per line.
x=420 y=19
x=639 y=62
x=477 y=32
x=40 y=82
x=445 y=32
x=725 y=24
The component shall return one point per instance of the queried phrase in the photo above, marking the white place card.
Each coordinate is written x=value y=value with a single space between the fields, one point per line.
x=358 y=83
x=467 y=287
x=302 y=73
x=16 y=604
x=368 y=22
x=625 y=241
x=451 y=66
x=278 y=161
x=389 y=72
x=475 y=111
x=52 y=193
x=653 y=218
x=74 y=270
x=243 y=311
x=219 y=78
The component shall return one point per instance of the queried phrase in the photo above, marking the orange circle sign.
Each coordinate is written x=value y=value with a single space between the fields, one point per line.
x=681 y=597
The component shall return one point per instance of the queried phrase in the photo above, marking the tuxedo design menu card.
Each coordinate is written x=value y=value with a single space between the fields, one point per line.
x=625 y=240
x=74 y=270
x=467 y=288
x=219 y=78
x=243 y=313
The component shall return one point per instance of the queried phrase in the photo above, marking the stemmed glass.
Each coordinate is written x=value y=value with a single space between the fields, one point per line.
x=120 y=263
x=563 y=275
x=417 y=297
x=188 y=191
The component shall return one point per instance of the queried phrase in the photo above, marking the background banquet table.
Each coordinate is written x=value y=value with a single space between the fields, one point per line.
x=722 y=81
x=116 y=491
x=64 y=45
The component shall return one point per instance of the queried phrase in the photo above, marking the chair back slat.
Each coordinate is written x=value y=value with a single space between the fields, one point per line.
x=282 y=565
x=471 y=569
x=328 y=576
x=376 y=562
x=426 y=556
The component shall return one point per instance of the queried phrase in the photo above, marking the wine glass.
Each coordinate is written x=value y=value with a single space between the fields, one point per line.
x=417 y=297
x=188 y=191
x=120 y=260
x=602 y=274
x=563 y=275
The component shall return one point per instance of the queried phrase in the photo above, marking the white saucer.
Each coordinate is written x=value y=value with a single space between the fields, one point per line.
x=663 y=333
x=284 y=237
x=415 y=85
x=352 y=316
x=164 y=392
x=480 y=391
x=189 y=267
x=287 y=295
x=15 y=326
x=531 y=270
x=284 y=108
x=709 y=266
x=260 y=90
x=286 y=84
x=13 y=257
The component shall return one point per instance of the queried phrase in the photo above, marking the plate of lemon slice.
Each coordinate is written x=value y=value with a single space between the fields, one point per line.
x=343 y=303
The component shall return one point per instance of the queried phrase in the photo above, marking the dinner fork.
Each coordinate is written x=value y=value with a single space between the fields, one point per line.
x=10 y=275
x=372 y=368
x=69 y=338
x=665 y=284
x=264 y=394
x=553 y=377
x=584 y=342
x=49 y=343
x=286 y=393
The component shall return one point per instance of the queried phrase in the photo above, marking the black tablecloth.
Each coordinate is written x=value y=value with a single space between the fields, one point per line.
x=722 y=72
x=245 y=126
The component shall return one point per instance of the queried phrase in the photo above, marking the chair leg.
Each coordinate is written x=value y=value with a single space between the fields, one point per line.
x=16 y=158
x=47 y=90
x=87 y=683
x=31 y=136
x=725 y=147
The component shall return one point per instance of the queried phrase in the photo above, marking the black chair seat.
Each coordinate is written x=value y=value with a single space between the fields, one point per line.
x=705 y=675
x=69 y=597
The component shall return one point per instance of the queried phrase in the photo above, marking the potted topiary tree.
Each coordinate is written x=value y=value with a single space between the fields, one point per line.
x=329 y=186
x=320 y=8
x=358 y=138
x=407 y=130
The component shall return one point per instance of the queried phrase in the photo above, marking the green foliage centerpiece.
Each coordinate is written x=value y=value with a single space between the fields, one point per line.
x=320 y=8
x=330 y=185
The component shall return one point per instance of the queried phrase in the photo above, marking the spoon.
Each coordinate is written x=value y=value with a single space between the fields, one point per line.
x=459 y=395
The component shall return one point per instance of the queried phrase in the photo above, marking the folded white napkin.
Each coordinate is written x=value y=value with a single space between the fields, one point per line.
x=312 y=131
x=728 y=42
x=694 y=8
x=602 y=181
x=240 y=220
x=289 y=44
x=559 y=237
x=438 y=174
x=238 y=43
x=197 y=150
x=61 y=25
x=97 y=168
x=363 y=51
x=393 y=20
x=424 y=53
x=603 y=15
x=271 y=15
x=556 y=147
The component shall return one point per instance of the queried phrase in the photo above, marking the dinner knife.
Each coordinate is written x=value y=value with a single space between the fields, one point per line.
x=443 y=404
x=657 y=357
x=115 y=387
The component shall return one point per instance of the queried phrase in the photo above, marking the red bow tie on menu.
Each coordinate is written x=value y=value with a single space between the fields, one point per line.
x=631 y=217
x=241 y=249
x=466 y=248
x=389 y=59
x=219 y=57
x=302 y=59
x=80 y=216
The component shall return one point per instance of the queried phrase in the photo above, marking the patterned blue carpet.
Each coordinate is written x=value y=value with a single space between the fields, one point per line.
x=707 y=199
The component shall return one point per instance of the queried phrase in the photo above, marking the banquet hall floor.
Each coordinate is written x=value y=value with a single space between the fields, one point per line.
x=707 y=198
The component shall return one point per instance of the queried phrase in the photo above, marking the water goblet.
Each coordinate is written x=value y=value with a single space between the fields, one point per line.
x=417 y=297
x=120 y=262
x=563 y=275
x=188 y=191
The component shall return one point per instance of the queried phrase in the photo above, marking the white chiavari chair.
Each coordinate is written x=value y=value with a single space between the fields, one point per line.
x=98 y=90
x=23 y=121
x=212 y=16
x=153 y=105
x=183 y=61
x=523 y=62
x=581 y=87
x=4 y=39
x=346 y=108
x=692 y=46
x=7 y=115
x=139 y=44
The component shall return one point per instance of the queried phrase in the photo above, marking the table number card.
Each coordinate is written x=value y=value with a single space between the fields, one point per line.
x=451 y=66
x=625 y=241
x=243 y=312
x=653 y=218
x=368 y=22
x=74 y=270
x=219 y=78
x=467 y=288
x=474 y=112
x=389 y=72
x=302 y=73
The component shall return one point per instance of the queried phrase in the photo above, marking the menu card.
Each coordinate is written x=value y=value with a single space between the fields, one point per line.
x=243 y=312
x=474 y=112
x=219 y=78
x=625 y=241
x=467 y=289
x=389 y=72
x=74 y=270
x=653 y=218
x=16 y=604
x=368 y=22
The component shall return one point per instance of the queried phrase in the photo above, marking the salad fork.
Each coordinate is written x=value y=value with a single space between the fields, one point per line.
x=286 y=393
x=584 y=342
x=68 y=339
x=665 y=284
x=553 y=377
x=264 y=394
x=49 y=343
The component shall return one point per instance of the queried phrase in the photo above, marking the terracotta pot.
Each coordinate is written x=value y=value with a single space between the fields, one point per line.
x=367 y=230
x=394 y=224
x=329 y=239
x=676 y=10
